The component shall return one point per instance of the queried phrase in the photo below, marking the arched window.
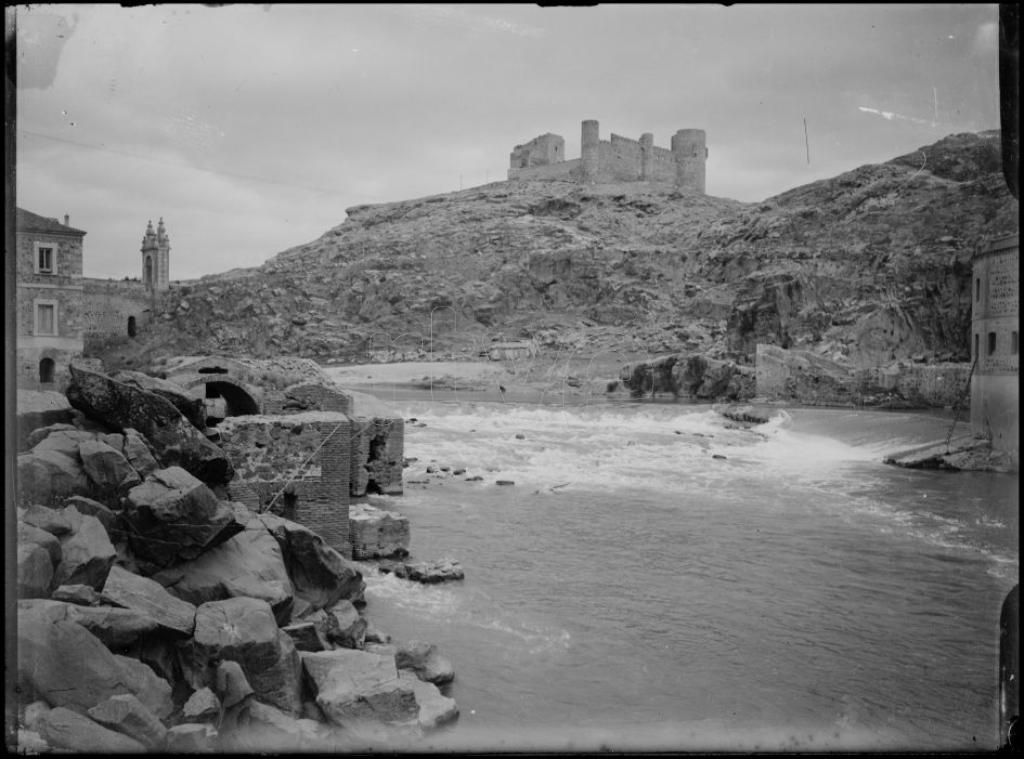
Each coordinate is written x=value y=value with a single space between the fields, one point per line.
x=131 y=326
x=148 y=273
x=991 y=343
x=977 y=288
x=46 y=367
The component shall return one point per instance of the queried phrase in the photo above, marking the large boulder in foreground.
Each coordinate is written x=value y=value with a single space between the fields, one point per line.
x=436 y=709
x=175 y=440
x=354 y=687
x=107 y=467
x=87 y=552
x=244 y=630
x=249 y=564
x=64 y=664
x=146 y=596
x=127 y=715
x=117 y=628
x=35 y=571
x=425 y=661
x=48 y=477
x=66 y=729
x=320 y=574
x=376 y=533
x=172 y=516
x=190 y=407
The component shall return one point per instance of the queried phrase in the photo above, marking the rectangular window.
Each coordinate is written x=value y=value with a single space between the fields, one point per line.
x=1013 y=343
x=991 y=343
x=976 y=345
x=46 y=260
x=46 y=319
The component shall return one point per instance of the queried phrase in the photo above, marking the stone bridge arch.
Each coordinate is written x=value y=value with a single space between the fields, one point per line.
x=224 y=396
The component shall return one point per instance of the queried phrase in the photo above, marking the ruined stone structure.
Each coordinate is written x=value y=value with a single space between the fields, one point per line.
x=62 y=313
x=995 y=385
x=298 y=446
x=618 y=159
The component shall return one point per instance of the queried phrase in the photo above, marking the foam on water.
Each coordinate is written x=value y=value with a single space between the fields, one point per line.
x=602 y=447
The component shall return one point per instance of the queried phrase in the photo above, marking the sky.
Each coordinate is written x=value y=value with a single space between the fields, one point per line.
x=251 y=128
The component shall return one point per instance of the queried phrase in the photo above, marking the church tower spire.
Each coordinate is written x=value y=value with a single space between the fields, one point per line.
x=156 y=257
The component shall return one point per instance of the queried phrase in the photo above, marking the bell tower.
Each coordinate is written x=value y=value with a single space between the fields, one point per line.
x=156 y=257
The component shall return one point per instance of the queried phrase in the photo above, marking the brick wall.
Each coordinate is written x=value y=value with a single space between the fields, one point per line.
x=268 y=453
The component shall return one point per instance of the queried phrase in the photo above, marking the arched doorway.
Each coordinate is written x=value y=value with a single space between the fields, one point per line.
x=224 y=399
x=131 y=326
x=46 y=371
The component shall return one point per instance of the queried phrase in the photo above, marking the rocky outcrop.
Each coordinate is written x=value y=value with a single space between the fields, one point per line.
x=376 y=534
x=428 y=572
x=688 y=375
x=64 y=664
x=425 y=661
x=148 y=597
x=249 y=564
x=874 y=262
x=66 y=729
x=191 y=408
x=40 y=409
x=127 y=715
x=354 y=687
x=175 y=441
x=173 y=516
x=321 y=576
x=435 y=709
x=811 y=379
x=244 y=630
x=87 y=553
x=115 y=627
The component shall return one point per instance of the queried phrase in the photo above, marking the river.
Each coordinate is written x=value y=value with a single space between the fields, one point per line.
x=660 y=578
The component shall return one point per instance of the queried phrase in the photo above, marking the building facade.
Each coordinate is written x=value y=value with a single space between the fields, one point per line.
x=995 y=383
x=61 y=313
x=49 y=299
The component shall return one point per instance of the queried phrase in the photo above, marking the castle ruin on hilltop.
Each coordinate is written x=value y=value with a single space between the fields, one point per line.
x=618 y=159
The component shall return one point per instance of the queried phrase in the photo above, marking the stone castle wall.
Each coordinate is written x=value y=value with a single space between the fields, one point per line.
x=618 y=159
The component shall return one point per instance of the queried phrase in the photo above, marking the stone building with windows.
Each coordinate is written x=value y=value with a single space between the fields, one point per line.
x=995 y=346
x=49 y=299
x=62 y=313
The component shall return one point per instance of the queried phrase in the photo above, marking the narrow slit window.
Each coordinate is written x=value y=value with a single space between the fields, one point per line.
x=991 y=343
x=1013 y=343
x=976 y=344
x=977 y=288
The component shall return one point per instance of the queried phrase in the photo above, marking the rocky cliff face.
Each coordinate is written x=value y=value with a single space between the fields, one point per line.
x=870 y=266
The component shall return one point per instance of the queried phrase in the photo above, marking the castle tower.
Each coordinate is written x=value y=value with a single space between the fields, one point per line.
x=156 y=257
x=590 y=155
x=646 y=156
x=691 y=159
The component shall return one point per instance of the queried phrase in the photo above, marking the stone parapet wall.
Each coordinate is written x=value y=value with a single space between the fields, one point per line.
x=565 y=171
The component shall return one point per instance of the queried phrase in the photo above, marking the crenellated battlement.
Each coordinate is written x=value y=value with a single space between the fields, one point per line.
x=618 y=159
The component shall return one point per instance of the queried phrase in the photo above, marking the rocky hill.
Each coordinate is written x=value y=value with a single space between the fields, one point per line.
x=870 y=266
